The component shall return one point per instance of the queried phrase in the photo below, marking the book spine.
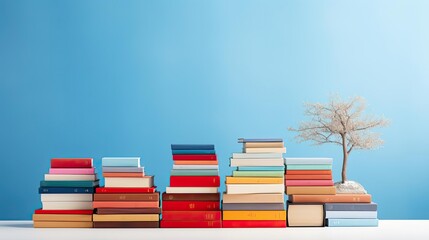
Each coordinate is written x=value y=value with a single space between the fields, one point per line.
x=122 y=224
x=190 y=205
x=254 y=224
x=352 y=222
x=351 y=214
x=125 y=204
x=65 y=190
x=308 y=177
x=309 y=167
x=71 y=163
x=74 y=171
x=308 y=172
x=195 y=157
x=128 y=210
x=191 y=224
x=192 y=152
x=254 y=180
x=78 y=212
x=340 y=198
x=309 y=183
x=254 y=215
x=192 y=147
x=68 y=183
x=125 y=190
x=196 y=162
x=176 y=172
x=192 y=215
x=191 y=197
x=120 y=162
x=258 y=174
x=125 y=217
x=350 y=206
x=126 y=197
x=197 y=181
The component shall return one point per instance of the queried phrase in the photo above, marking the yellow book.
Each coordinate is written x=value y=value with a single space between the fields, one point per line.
x=62 y=217
x=253 y=180
x=43 y=224
x=254 y=215
x=125 y=217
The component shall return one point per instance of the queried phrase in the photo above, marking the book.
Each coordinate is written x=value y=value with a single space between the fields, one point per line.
x=125 y=204
x=254 y=180
x=128 y=182
x=120 y=162
x=191 y=190
x=309 y=183
x=63 y=217
x=192 y=147
x=263 y=145
x=197 y=162
x=258 y=174
x=198 y=167
x=55 y=190
x=292 y=161
x=126 y=197
x=305 y=190
x=190 y=157
x=254 y=215
x=194 y=151
x=338 y=198
x=123 y=169
x=253 y=224
x=71 y=163
x=191 y=224
x=124 y=174
x=309 y=172
x=67 y=205
x=74 y=184
x=352 y=222
x=66 y=197
x=258 y=140
x=57 y=224
x=261 y=168
x=305 y=215
x=125 y=217
x=191 y=215
x=253 y=198
x=70 y=177
x=79 y=212
x=72 y=171
x=265 y=150
x=194 y=181
x=190 y=205
x=257 y=156
x=350 y=207
x=190 y=196
x=156 y=210
x=309 y=167
x=252 y=162
x=194 y=172
x=253 y=206
x=351 y=214
x=308 y=177
x=254 y=188
x=125 y=190
x=121 y=224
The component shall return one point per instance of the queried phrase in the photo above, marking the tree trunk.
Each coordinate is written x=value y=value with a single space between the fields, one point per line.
x=345 y=157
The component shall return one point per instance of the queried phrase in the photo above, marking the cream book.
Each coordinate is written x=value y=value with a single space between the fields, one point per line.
x=263 y=145
x=254 y=188
x=196 y=167
x=138 y=182
x=305 y=215
x=257 y=155
x=253 y=162
x=66 y=197
x=253 y=198
x=64 y=177
x=66 y=205
x=265 y=150
x=191 y=190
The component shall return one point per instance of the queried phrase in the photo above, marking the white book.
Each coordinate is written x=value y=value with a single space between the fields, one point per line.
x=265 y=150
x=66 y=205
x=140 y=182
x=292 y=161
x=254 y=188
x=66 y=177
x=252 y=162
x=351 y=214
x=197 y=167
x=66 y=197
x=257 y=155
x=191 y=190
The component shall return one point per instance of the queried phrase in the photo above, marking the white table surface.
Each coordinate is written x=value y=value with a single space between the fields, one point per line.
x=388 y=229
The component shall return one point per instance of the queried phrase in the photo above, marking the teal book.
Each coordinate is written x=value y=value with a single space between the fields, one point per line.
x=196 y=151
x=75 y=184
x=256 y=168
x=363 y=222
x=120 y=162
x=309 y=167
x=196 y=172
x=258 y=173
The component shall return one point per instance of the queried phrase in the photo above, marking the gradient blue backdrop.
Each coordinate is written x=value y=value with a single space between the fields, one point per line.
x=128 y=78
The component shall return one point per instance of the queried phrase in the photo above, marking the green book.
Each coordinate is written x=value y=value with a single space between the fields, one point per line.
x=194 y=172
x=309 y=167
x=258 y=173
x=68 y=183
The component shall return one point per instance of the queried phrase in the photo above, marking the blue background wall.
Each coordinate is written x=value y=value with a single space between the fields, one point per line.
x=128 y=78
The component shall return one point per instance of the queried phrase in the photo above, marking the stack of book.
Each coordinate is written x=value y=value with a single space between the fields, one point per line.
x=66 y=194
x=307 y=177
x=192 y=199
x=255 y=192
x=128 y=198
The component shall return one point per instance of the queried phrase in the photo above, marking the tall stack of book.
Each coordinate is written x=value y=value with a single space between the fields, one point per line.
x=307 y=177
x=129 y=198
x=67 y=194
x=192 y=199
x=255 y=192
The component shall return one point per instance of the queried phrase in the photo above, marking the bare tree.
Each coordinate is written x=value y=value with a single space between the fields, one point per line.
x=341 y=122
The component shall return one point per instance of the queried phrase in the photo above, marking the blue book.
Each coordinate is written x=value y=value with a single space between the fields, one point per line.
x=350 y=206
x=365 y=222
x=309 y=167
x=244 y=140
x=120 y=162
x=72 y=184
x=192 y=147
x=273 y=168
x=178 y=152
x=65 y=190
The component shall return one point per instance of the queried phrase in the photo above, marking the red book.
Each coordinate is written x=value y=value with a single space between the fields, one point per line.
x=84 y=212
x=195 y=157
x=191 y=224
x=309 y=183
x=194 y=181
x=125 y=190
x=254 y=224
x=71 y=163
x=190 y=205
x=192 y=215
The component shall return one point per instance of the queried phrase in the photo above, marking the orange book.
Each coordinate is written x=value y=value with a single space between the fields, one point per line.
x=306 y=172
x=123 y=204
x=338 y=198
x=123 y=174
x=196 y=162
x=308 y=177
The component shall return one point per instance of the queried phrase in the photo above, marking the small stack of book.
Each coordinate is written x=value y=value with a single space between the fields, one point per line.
x=128 y=198
x=66 y=194
x=255 y=192
x=307 y=177
x=192 y=199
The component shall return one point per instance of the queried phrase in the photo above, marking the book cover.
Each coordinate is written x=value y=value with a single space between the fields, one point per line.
x=257 y=156
x=196 y=162
x=129 y=182
x=67 y=205
x=79 y=212
x=66 y=197
x=73 y=184
x=309 y=183
x=63 y=217
x=309 y=167
x=255 y=162
x=125 y=190
x=122 y=224
x=156 y=210
x=305 y=215
x=55 y=190
x=261 y=168
x=292 y=161
x=72 y=171
x=193 y=151
x=253 y=206
x=71 y=163
x=259 y=140
x=120 y=162
x=125 y=204
x=254 y=180
x=123 y=169
x=125 y=217
x=254 y=188
x=191 y=190
x=57 y=224
x=350 y=207
x=194 y=181
x=124 y=174
x=253 y=224
x=192 y=215
x=263 y=145
x=189 y=157
x=70 y=177
x=195 y=167
x=258 y=174
x=338 y=198
x=352 y=222
x=191 y=224
x=254 y=215
x=194 y=172
x=192 y=147
x=253 y=198
x=305 y=190
x=351 y=214
x=126 y=197
x=265 y=150
x=190 y=205
x=191 y=197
